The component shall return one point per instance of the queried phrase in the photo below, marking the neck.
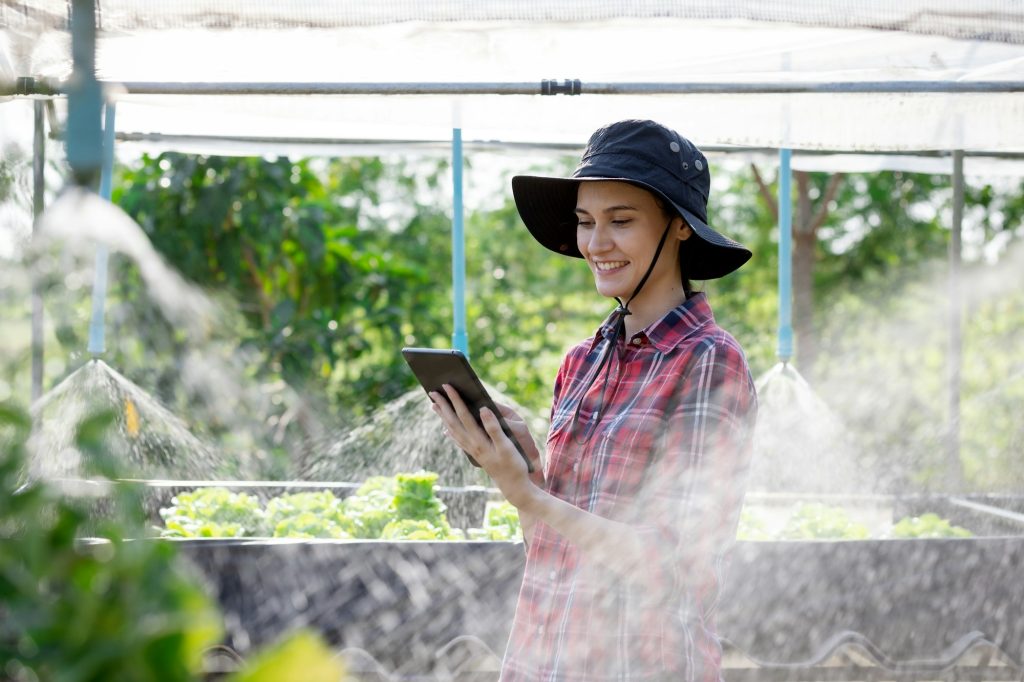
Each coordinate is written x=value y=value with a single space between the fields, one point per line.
x=648 y=309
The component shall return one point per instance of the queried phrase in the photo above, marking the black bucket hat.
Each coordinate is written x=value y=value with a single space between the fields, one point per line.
x=646 y=154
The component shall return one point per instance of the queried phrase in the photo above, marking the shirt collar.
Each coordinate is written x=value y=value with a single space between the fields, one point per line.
x=677 y=324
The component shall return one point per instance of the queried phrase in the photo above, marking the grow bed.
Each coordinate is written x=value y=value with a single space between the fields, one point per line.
x=912 y=608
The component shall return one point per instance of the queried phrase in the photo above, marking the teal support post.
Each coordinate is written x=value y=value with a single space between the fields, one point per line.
x=97 y=327
x=460 y=338
x=85 y=98
x=785 y=349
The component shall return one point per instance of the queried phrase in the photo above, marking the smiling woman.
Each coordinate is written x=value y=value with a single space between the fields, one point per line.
x=651 y=426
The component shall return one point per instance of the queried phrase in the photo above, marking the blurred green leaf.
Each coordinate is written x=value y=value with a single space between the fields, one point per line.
x=302 y=657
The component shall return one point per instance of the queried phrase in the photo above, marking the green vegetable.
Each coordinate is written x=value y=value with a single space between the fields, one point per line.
x=402 y=507
x=377 y=493
x=207 y=512
x=415 y=498
x=927 y=526
x=752 y=526
x=323 y=516
x=413 y=529
x=310 y=525
x=502 y=520
x=372 y=506
x=818 y=521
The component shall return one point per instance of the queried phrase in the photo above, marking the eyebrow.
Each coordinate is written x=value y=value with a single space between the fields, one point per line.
x=610 y=209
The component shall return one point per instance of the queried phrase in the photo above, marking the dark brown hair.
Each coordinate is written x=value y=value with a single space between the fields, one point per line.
x=670 y=213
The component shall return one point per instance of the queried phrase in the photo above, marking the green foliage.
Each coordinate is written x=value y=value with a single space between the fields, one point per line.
x=927 y=526
x=376 y=492
x=303 y=655
x=370 y=523
x=312 y=514
x=752 y=526
x=322 y=275
x=212 y=512
x=415 y=498
x=404 y=506
x=501 y=523
x=309 y=524
x=371 y=506
x=335 y=264
x=415 y=529
x=812 y=521
x=104 y=609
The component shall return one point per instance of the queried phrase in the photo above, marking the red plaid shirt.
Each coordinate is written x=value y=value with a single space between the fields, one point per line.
x=668 y=456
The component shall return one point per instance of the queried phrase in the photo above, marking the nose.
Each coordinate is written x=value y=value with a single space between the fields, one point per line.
x=599 y=240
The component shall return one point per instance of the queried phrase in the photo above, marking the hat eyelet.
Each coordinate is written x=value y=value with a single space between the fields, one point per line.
x=686 y=166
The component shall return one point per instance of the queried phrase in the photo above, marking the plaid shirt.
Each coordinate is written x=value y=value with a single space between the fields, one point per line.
x=668 y=456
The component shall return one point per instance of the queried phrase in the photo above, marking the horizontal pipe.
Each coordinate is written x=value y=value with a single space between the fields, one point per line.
x=445 y=145
x=1004 y=514
x=33 y=86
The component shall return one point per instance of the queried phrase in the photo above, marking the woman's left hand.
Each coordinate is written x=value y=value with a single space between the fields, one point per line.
x=489 y=445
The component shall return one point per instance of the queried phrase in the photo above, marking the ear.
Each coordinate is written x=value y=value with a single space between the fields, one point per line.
x=683 y=230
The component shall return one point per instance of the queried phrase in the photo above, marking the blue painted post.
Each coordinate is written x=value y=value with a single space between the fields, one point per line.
x=460 y=339
x=85 y=98
x=785 y=350
x=97 y=328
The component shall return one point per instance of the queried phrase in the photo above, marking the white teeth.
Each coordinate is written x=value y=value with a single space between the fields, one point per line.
x=610 y=265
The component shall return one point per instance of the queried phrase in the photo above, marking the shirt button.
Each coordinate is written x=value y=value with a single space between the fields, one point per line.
x=637 y=341
x=540 y=630
x=553 y=574
x=576 y=467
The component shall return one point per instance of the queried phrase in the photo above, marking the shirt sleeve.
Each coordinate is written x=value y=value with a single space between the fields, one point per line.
x=690 y=505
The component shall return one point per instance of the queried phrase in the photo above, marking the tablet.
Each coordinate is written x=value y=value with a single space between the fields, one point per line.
x=436 y=366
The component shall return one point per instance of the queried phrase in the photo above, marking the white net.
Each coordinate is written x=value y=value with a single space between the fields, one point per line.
x=992 y=20
x=454 y=42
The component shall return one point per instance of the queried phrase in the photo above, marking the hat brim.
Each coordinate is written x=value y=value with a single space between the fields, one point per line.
x=547 y=206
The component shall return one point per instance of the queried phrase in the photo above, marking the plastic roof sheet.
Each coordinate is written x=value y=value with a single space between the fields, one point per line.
x=199 y=41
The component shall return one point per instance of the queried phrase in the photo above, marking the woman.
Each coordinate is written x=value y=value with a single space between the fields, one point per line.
x=630 y=515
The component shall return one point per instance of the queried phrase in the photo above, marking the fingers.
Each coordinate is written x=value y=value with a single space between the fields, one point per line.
x=509 y=414
x=506 y=411
x=458 y=405
x=461 y=425
x=490 y=422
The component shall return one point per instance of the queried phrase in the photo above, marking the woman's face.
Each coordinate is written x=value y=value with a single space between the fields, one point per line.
x=618 y=232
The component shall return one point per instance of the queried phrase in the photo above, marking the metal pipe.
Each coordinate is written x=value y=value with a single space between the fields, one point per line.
x=785 y=349
x=955 y=359
x=568 y=148
x=38 y=203
x=460 y=338
x=998 y=512
x=32 y=86
x=97 y=325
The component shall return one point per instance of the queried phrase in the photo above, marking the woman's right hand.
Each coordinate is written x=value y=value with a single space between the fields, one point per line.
x=521 y=432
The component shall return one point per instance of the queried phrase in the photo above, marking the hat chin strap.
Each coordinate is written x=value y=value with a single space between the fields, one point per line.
x=618 y=323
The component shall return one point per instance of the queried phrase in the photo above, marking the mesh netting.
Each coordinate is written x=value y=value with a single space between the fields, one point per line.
x=993 y=20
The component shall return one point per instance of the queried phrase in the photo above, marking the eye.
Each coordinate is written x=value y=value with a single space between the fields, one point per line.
x=584 y=222
x=620 y=222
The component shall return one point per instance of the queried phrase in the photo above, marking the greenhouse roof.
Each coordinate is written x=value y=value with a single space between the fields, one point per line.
x=935 y=75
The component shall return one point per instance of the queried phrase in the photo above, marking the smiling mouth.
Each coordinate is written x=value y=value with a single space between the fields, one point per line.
x=610 y=265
